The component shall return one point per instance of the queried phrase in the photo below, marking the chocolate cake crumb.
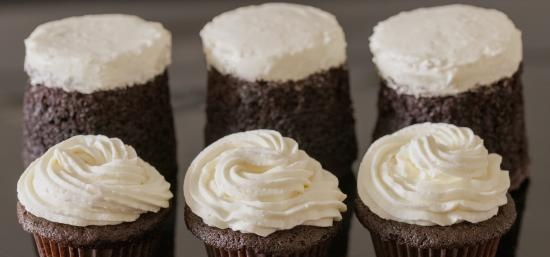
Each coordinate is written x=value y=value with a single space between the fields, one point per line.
x=317 y=112
x=110 y=236
x=280 y=243
x=438 y=237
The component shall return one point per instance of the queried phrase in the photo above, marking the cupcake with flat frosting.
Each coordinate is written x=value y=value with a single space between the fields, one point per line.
x=281 y=66
x=102 y=74
x=433 y=189
x=257 y=193
x=457 y=64
x=93 y=196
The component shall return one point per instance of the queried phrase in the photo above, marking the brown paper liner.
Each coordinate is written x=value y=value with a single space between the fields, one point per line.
x=390 y=248
x=50 y=248
x=320 y=250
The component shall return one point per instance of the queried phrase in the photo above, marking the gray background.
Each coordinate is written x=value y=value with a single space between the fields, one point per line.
x=185 y=19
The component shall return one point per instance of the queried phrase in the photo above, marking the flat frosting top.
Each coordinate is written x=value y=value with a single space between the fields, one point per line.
x=274 y=41
x=261 y=182
x=446 y=50
x=97 y=52
x=92 y=180
x=432 y=174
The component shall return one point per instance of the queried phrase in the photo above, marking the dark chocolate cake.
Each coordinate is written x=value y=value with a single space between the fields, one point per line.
x=433 y=238
x=108 y=237
x=136 y=239
x=140 y=115
x=301 y=241
x=317 y=112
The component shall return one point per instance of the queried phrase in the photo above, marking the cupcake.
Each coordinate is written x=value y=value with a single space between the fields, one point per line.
x=433 y=189
x=101 y=74
x=456 y=64
x=257 y=193
x=283 y=66
x=93 y=196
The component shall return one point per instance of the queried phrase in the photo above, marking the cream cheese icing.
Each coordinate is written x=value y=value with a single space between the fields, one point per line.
x=261 y=182
x=446 y=50
x=97 y=52
x=274 y=42
x=92 y=180
x=432 y=174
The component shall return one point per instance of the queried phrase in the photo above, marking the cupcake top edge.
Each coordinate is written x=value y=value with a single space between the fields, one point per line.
x=274 y=42
x=97 y=52
x=432 y=174
x=92 y=180
x=445 y=50
x=261 y=182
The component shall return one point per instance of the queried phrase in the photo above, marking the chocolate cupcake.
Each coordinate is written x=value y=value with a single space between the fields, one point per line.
x=101 y=74
x=456 y=64
x=93 y=196
x=257 y=193
x=282 y=66
x=433 y=189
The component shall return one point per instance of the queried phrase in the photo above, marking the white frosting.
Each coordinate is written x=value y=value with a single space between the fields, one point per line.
x=274 y=42
x=92 y=180
x=446 y=50
x=260 y=182
x=97 y=52
x=432 y=174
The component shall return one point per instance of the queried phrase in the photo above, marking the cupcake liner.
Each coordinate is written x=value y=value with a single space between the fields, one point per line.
x=390 y=248
x=51 y=248
x=320 y=250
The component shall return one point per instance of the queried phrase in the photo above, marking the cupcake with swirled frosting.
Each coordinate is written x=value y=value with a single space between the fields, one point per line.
x=256 y=193
x=433 y=189
x=93 y=196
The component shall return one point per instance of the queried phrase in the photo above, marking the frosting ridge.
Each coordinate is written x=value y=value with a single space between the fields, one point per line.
x=92 y=180
x=260 y=182
x=432 y=174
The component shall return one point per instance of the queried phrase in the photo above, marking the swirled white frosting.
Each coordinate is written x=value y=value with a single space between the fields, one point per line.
x=92 y=180
x=432 y=174
x=274 y=42
x=260 y=182
x=97 y=52
x=446 y=50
